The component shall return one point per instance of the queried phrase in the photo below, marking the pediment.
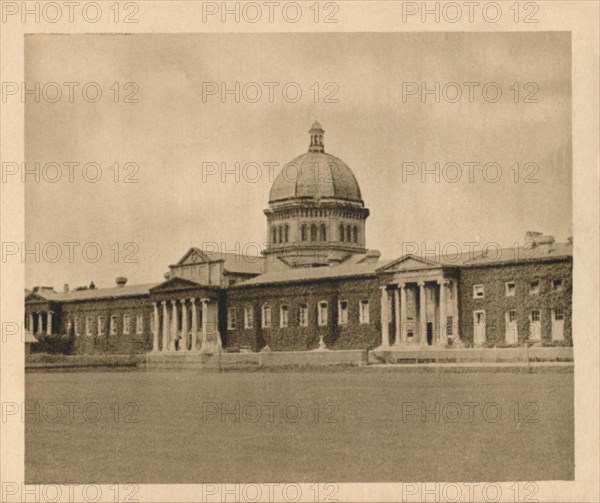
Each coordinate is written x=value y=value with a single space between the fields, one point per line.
x=35 y=297
x=193 y=256
x=174 y=284
x=410 y=263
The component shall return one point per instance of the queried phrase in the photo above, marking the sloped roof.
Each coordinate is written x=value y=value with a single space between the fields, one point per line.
x=520 y=254
x=314 y=273
x=234 y=262
x=97 y=293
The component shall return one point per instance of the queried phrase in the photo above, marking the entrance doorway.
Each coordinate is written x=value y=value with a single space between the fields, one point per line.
x=429 y=333
x=478 y=327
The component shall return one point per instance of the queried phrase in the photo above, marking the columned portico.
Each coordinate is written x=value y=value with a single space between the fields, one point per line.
x=425 y=310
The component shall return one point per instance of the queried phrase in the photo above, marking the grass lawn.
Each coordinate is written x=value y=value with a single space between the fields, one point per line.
x=184 y=427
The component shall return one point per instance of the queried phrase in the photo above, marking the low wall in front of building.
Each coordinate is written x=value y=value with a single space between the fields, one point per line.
x=473 y=355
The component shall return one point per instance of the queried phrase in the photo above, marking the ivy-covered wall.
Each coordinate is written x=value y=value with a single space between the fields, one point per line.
x=353 y=335
x=495 y=302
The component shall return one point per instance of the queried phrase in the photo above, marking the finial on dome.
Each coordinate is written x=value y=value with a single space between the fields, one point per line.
x=316 y=138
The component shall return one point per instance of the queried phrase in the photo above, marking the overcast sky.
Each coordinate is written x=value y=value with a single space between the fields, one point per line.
x=172 y=131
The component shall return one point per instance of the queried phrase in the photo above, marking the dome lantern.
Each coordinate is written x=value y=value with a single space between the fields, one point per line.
x=316 y=138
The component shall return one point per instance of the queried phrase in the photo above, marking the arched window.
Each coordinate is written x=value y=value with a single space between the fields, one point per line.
x=323 y=233
x=286 y=233
x=313 y=232
x=342 y=233
x=280 y=234
x=355 y=234
x=303 y=232
x=348 y=233
x=273 y=235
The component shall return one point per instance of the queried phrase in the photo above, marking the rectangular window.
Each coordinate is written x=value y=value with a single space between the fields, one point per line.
x=284 y=318
x=478 y=291
x=363 y=311
x=512 y=315
x=113 y=324
x=343 y=312
x=78 y=328
x=231 y=319
x=303 y=315
x=534 y=286
x=535 y=315
x=101 y=325
x=557 y=284
x=559 y=314
x=449 y=325
x=248 y=317
x=266 y=316
x=510 y=288
x=322 y=313
x=139 y=324
x=126 y=324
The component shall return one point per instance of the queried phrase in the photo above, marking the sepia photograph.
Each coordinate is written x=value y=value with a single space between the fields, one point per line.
x=275 y=264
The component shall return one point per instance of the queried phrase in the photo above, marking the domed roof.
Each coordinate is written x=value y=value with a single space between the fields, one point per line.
x=315 y=175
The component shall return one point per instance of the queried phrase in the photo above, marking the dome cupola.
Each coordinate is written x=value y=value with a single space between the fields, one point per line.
x=316 y=211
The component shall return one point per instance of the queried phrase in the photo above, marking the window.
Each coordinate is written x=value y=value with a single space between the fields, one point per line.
x=558 y=314
x=449 y=325
x=113 y=324
x=231 y=321
x=478 y=291
x=280 y=236
x=88 y=326
x=534 y=286
x=342 y=233
x=363 y=311
x=126 y=324
x=510 y=288
x=273 y=235
x=355 y=234
x=303 y=315
x=323 y=232
x=248 y=317
x=557 y=284
x=303 y=232
x=286 y=233
x=512 y=315
x=139 y=324
x=284 y=319
x=313 y=232
x=535 y=315
x=101 y=325
x=343 y=312
x=322 y=313
x=348 y=233
x=266 y=316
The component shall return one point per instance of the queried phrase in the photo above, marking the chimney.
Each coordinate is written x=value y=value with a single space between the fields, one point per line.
x=539 y=241
x=570 y=240
x=121 y=281
x=92 y=286
x=66 y=288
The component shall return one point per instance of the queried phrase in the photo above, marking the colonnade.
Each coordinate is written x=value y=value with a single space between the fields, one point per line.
x=166 y=333
x=417 y=325
x=41 y=326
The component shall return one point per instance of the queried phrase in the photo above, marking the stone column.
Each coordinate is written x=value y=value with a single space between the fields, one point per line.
x=456 y=333
x=403 y=311
x=385 y=329
x=184 y=324
x=31 y=324
x=40 y=317
x=204 y=321
x=165 y=327
x=443 y=326
x=398 y=318
x=422 y=314
x=155 y=327
x=174 y=322
x=194 y=324
x=49 y=323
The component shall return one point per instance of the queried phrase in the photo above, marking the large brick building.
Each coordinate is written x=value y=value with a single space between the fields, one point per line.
x=318 y=285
